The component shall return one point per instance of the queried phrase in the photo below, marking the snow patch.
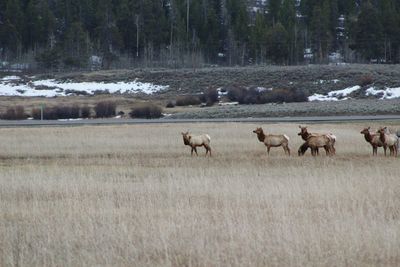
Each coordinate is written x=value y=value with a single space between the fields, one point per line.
x=10 y=78
x=51 y=87
x=334 y=95
x=387 y=93
x=263 y=89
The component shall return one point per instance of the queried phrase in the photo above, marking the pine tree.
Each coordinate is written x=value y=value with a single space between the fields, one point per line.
x=277 y=40
x=368 y=36
x=258 y=38
x=320 y=29
x=274 y=7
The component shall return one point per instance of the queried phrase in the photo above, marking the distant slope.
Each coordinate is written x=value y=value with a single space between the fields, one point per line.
x=310 y=79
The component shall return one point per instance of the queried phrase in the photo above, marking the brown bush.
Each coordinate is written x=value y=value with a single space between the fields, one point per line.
x=254 y=96
x=170 y=104
x=366 y=80
x=57 y=113
x=85 y=112
x=147 y=111
x=105 y=109
x=14 y=113
x=209 y=96
x=187 y=100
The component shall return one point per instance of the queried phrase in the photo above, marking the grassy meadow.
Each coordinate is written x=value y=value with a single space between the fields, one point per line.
x=133 y=196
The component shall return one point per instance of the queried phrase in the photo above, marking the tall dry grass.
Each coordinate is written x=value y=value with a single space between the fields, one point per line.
x=133 y=196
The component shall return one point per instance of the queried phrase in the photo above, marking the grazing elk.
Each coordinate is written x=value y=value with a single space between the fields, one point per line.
x=389 y=140
x=305 y=134
x=197 y=140
x=314 y=142
x=270 y=140
x=374 y=140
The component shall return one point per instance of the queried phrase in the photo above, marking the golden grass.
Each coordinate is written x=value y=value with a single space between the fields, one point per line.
x=133 y=196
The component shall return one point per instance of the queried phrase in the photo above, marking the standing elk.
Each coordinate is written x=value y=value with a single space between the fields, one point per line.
x=374 y=140
x=389 y=140
x=314 y=142
x=197 y=140
x=330 y=149
x=270 y=140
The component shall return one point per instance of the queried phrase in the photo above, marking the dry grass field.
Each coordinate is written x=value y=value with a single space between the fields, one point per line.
x=133 y=196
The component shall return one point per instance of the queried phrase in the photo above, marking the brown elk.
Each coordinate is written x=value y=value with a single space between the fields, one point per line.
x=389 y=140
x=374 y=140
x=329 y=149
x=197 y=140
x=270 y=140
x=314 y=142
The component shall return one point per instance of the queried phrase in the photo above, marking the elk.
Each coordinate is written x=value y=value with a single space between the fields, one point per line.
x=316 y=141
x=305 y=134
x=270 y=140
x=389 y=140
x=374 y=140
x=197 y=140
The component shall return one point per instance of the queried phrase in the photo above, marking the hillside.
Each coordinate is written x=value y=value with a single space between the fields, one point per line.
x=365 y=85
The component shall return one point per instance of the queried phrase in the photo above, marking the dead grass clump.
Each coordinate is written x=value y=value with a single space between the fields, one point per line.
x=14 y=113
x=147 y=111
x=105 y=109
x=57 y=113
x=187 y=100
x=366 y=80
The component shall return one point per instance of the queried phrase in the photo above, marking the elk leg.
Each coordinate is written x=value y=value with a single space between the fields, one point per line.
x=195 y=150
x=327 y=150
x=384 y=149
x=191 y=153
x=288 y=150
x=315 y=151
x=208 y=149
x=268 y=148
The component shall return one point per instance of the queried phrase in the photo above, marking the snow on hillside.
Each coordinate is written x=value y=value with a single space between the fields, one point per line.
x=15 y=86
x=334 y=95
x=387 y=93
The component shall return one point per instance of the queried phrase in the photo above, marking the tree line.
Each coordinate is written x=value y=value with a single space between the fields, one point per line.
x=81 y=34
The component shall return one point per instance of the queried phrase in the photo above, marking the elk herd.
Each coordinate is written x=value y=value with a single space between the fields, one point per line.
x=381 y=138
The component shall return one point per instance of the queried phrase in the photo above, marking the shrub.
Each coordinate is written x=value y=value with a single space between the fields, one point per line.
x=85 y=112
x=105 y=109
x=147 y=110
x=209 y=96
x=366 y=80
x=237 y=94
x=14 y=113
x=187 y=100
x=60 y=112
x=254 y=96
x=170 y=104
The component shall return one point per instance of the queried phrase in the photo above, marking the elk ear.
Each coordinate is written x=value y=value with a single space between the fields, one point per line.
x=369 y=128
x=300 y=126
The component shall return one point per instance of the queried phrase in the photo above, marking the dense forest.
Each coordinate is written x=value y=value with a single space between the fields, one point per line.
x=82 y=34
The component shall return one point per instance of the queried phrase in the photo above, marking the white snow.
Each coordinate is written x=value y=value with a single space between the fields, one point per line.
x=51 y=87
x=387 y=93
x=334 y=95
x=263 y=89
x=221 y=93
x=10 y=78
